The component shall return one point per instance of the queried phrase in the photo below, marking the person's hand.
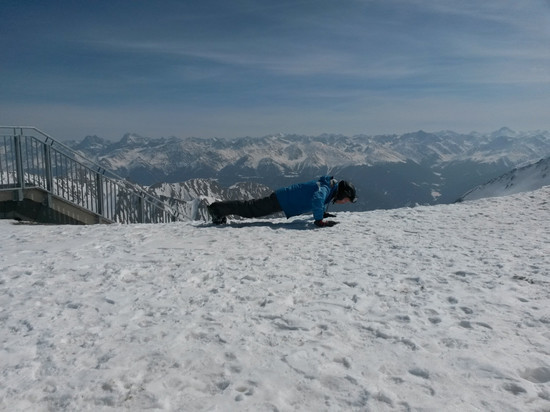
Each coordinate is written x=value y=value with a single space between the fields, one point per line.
x=325 y=223
x=328 y=215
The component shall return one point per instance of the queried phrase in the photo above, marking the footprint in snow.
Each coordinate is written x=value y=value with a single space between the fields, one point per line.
x=245 y=390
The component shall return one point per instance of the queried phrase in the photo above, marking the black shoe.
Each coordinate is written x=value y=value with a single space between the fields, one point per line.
x=219 y=220
x=216 y=219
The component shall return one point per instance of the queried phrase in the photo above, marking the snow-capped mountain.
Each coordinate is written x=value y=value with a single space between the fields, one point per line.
x=523 y=179
x=388 y=170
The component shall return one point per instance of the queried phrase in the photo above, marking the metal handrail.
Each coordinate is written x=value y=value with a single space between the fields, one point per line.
x=30 y=161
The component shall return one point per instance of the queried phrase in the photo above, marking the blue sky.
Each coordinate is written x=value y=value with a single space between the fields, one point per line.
x=219 y=68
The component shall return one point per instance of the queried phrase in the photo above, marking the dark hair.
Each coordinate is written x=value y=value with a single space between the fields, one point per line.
x=346 y=189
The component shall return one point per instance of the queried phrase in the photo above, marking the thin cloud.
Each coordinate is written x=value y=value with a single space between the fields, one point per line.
x=225 y=68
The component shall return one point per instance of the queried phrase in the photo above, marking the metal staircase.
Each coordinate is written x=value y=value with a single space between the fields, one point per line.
x=45 y=181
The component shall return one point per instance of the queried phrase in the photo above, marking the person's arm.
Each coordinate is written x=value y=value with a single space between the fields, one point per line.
x=318 y=207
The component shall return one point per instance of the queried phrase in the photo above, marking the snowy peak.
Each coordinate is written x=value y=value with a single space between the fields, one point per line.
x=504 y=132
x=94 y=143
x=519 y=180
x=132 y=139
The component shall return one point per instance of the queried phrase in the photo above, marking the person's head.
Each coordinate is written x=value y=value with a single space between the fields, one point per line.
x=345 y=193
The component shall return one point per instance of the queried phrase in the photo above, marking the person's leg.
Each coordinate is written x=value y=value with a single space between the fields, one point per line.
x=246 y=208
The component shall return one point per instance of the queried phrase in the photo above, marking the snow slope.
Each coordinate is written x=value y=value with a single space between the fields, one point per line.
x=441 y=308
x=523 y=179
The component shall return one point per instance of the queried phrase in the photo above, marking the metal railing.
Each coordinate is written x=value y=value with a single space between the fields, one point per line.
x=29 y=158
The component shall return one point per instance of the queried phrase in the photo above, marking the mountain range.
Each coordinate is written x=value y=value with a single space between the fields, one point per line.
x=389 y=171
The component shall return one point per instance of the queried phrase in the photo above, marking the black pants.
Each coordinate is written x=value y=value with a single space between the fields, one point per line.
x=247 y=208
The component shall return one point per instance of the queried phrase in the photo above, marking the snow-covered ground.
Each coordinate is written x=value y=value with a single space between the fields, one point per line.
x=442 y=308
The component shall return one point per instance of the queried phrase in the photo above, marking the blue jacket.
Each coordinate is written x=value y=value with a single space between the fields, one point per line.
x=312 y=196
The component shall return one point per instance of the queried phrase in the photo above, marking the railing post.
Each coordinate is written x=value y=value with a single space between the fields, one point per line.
x=19 y=166
x=99 y=189
x=49 y=174
x=141 y=211
x=48 y=167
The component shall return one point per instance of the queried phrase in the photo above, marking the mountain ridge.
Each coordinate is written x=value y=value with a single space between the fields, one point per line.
x=521 y=179
x=389 y=170
x=357 y=150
